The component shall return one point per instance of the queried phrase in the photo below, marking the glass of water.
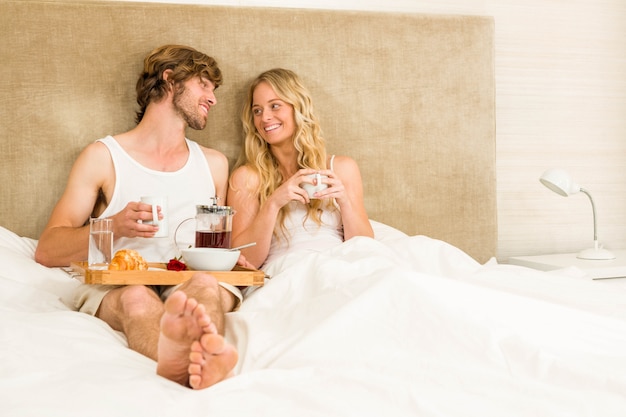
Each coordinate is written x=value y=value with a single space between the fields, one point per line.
x=100 y=243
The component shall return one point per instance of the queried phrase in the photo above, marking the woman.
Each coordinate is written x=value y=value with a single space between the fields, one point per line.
x=283 y=146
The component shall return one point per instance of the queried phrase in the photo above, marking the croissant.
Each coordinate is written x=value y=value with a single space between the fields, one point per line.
x=128 y=260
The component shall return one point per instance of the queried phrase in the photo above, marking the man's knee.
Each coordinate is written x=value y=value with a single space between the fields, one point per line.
x=228 y=300
x=138 y=300
x=211 y=291
x=202 y=281
x=127 y=303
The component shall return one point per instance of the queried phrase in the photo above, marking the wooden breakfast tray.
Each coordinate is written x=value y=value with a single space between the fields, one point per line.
x=239 y=276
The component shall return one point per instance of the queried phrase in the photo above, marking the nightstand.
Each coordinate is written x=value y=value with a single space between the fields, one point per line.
x=614 y=268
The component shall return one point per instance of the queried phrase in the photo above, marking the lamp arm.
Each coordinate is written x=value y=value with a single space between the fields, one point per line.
x=593 y=209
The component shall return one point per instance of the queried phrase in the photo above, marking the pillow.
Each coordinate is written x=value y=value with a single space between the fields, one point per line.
x=384 y=232
x=17 y=265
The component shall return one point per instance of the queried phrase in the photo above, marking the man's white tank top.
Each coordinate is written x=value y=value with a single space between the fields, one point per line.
x=189 y=186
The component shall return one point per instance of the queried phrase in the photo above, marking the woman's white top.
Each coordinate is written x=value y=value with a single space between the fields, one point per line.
x=304 y=233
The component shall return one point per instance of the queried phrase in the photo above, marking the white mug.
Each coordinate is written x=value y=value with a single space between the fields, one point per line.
x=313 y=188
x=157 y=201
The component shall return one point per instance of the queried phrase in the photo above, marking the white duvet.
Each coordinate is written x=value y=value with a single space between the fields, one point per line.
x=397 y=326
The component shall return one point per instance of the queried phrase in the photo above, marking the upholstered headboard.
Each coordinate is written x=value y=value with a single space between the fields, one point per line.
x=410 y=97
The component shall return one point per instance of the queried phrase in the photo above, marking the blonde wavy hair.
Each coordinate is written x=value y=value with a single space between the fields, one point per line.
x=308 y=140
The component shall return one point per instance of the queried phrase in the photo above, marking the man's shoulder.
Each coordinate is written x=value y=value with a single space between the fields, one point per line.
x=205 y=149
x=215 y=158
x=96 y=150
x=213 y=154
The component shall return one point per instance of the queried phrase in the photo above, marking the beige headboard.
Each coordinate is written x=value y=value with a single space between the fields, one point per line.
x=410 y=97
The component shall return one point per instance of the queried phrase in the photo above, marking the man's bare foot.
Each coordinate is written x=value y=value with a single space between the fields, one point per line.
x=210 y=361
x=183 y=322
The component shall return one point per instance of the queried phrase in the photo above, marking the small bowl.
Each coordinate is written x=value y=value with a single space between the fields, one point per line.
x=210 y=259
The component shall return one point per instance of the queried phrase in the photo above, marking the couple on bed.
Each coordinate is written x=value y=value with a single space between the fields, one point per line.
x=182 y=327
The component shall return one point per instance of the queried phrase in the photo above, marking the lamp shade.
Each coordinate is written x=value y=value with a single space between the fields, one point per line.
x=560 y=182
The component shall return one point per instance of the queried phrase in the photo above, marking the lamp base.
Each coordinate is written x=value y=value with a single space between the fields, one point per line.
x=596 y=254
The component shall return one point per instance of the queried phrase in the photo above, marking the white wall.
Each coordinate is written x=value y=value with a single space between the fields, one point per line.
x=560 y=102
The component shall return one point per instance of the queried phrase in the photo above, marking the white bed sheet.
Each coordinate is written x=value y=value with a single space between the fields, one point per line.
x=397 y=326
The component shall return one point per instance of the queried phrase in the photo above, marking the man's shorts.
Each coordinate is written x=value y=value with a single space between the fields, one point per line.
x=88 y=297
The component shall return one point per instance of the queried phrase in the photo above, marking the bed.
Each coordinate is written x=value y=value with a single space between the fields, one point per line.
x=421 y=320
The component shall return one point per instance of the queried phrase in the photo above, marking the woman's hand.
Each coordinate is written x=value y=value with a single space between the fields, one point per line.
x=242 y=261
x=290 y=190
x=335 y=188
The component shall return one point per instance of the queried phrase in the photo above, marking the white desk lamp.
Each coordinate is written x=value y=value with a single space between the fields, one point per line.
x=560 y=182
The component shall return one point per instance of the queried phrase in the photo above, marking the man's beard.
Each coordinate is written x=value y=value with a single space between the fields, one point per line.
x=187 y=110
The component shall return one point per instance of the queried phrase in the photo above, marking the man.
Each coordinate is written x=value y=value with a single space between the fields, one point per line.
x=184 y=332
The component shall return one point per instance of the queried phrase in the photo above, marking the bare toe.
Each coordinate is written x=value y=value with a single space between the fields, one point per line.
x=211 y=360
x=183 y=322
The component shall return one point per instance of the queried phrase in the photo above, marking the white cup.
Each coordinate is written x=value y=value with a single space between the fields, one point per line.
x=313 y=188
x=157 y=201
x=100 y=243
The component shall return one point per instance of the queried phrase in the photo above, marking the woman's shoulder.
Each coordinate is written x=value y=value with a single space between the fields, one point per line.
x=342 y=162
x=244 y=170
x=245 y=174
